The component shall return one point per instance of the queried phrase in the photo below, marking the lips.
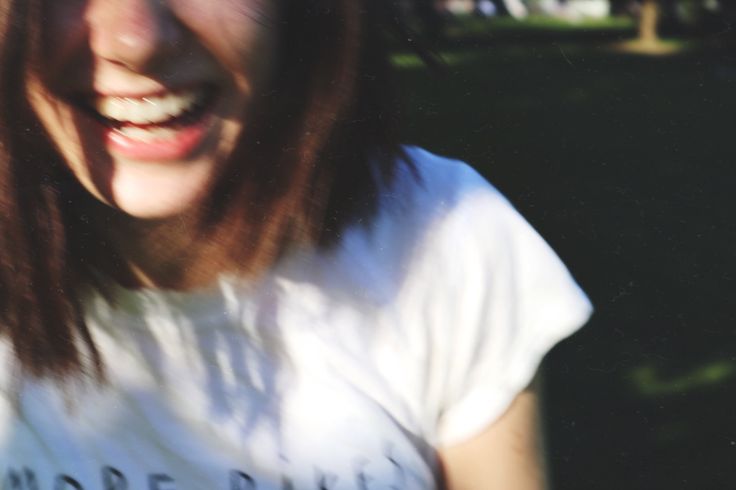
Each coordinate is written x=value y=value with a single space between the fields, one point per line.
x=163 y=126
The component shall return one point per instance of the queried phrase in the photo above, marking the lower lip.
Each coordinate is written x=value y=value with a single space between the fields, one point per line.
x=183 y=143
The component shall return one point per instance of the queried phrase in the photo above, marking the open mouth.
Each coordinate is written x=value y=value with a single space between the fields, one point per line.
x=158 y=126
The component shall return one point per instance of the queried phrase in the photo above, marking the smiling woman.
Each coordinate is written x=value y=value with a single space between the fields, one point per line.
x=218 y=269
x=145 y=101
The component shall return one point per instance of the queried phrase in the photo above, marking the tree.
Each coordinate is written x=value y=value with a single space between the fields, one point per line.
x=648 y=41
x=648 y=22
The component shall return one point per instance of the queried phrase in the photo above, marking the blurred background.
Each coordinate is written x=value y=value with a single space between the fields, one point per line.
x=611 y=126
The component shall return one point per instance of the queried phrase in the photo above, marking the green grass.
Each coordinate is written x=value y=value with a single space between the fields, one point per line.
x=649 y=382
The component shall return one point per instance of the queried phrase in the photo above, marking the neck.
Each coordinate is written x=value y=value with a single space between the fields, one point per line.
x=173 y=253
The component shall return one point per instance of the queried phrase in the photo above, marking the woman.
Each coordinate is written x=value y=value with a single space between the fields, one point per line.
x=219 y=270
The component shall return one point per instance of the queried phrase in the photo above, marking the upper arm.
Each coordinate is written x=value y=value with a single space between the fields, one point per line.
x=506 y=455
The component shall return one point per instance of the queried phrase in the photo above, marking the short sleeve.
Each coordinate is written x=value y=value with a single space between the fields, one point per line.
x=501 y=300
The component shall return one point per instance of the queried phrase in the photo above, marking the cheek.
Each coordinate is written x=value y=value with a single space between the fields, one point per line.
x=56 y=117
x=241 y=34
x=63 y=129
x=63 y=32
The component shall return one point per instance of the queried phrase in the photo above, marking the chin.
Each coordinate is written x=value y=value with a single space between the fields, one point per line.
x=151 y=191
x=153 y=210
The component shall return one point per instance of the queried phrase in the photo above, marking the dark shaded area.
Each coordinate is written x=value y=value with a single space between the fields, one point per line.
x=627 y=165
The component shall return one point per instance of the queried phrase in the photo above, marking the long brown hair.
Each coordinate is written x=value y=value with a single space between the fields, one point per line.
x=329 y=139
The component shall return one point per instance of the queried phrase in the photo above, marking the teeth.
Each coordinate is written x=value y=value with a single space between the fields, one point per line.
x=152 y=109
x=147 y=135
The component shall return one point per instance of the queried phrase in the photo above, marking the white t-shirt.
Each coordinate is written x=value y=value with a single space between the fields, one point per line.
x=342 y=369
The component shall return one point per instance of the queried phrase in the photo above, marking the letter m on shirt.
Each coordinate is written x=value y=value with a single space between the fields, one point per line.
x=24 y=479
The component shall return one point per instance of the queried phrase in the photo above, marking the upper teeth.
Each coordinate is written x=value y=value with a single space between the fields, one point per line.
x=151 y=109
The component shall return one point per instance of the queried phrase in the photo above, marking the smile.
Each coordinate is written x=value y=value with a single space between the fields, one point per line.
x=163 y=126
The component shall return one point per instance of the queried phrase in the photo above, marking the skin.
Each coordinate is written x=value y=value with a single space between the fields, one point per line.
x=139 y=47
x=133 y=47
x=506 y=455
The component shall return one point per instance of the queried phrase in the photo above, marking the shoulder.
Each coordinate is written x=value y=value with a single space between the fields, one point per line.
x=444 y=206
x=430 y=193
x=485 y=287
x=436 y=216
x=440 y=182
x=452 y=288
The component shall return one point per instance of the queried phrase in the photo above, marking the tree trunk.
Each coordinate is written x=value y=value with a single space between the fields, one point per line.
x=648 y=21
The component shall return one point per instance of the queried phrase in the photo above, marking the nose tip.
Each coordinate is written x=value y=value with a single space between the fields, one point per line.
x=132 y=33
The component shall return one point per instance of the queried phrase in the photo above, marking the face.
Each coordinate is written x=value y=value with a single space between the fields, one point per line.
x=146 y=99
